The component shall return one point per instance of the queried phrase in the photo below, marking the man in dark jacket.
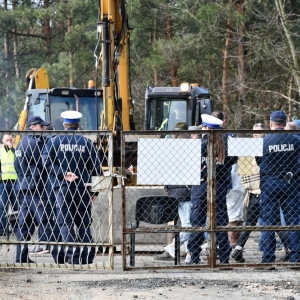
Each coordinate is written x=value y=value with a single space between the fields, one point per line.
x=279 y=171
x=73 y=159
x=34 y=205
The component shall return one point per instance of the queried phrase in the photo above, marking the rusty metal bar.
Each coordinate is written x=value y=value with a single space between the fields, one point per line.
x=212 y=229
x=123 y=208
x=211 y=197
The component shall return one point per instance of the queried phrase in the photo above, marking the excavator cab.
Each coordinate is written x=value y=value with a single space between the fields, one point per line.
x=166 y=106
x=164 y=113
x=49 y=104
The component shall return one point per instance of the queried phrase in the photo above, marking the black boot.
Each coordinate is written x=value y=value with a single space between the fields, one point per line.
x=238 y=256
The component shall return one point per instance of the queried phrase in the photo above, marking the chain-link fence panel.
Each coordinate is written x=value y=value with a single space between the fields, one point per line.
x=56 y=205
x=214 y=198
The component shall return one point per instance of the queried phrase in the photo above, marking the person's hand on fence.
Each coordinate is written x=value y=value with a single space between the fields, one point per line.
x=71 y=177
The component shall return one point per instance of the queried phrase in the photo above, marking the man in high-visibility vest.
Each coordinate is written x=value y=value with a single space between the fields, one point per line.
x=7 y=182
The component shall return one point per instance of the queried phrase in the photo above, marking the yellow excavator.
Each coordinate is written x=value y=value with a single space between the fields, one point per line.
x=49 y=103
x=35 y=79
x=111 y=107
x=113 y=35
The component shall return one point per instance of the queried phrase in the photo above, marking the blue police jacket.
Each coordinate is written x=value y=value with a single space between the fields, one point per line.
x=28 y=163
x=223 y=169
x=280 y=155
x=71 y=153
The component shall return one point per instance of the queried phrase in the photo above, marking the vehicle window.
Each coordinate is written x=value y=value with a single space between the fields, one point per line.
x=165 y=113
x=87 y=108
x=37 y=109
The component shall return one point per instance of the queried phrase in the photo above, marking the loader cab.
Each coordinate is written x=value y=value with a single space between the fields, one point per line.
x=166 y=106
x=49 y=104
x=164 y=113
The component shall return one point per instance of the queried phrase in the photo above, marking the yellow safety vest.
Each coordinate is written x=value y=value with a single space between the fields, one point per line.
x=7 y=159
x=164 y=122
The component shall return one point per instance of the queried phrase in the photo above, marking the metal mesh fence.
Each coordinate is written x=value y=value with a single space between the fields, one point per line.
x=212 y=199
x=55 y=207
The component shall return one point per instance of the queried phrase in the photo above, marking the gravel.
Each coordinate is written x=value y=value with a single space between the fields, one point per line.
x=189 y=284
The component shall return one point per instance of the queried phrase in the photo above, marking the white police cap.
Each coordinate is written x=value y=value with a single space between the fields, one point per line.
x=71 y=116
x=211 y=121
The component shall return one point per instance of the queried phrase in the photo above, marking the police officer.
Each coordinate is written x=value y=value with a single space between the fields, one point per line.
x=73 y=159
x=34 y=205
x=199 y=194
x=279 y=188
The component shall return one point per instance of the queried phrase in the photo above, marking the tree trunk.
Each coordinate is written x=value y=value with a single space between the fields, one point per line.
x=173 y=65
x=71 y=55
x=290 y=96
x=155 y=74
x=6 y=54
x=241 y=68
x=280 y=5
x=226 y=66
x=241 y=55
x=15 y=41
x=47 y=33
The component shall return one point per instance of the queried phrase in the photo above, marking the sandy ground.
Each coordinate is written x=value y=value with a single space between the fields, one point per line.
x=247 y=283
x=282 y=283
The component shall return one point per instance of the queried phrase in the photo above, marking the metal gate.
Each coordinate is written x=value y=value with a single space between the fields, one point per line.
x=233 y=225
x=53 y=222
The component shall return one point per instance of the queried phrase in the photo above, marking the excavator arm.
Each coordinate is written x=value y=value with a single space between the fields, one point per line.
x=114 y=33
x=35 y=79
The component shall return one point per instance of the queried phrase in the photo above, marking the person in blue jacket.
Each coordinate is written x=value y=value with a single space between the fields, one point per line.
x=199 y=194
x=279 y=172
x=73 y=159
x=35 y=209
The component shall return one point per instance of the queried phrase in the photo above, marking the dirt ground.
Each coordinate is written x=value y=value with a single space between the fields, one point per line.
x=282 y=283
x=239 y=283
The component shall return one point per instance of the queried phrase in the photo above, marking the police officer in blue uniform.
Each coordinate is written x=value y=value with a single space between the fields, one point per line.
x=35 y=208
x=279 y=171
x=73 y=159
x=199 y=194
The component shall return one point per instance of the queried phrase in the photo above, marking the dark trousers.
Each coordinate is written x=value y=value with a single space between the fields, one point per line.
x=252 y=219
x=276 y=193
x=74 y=209
x=50 y=195
x=198 y=218
x=7 y=197
x=34 y=211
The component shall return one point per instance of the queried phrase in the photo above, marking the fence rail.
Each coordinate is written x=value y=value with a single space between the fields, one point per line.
x=46 y=220
x=224 y=218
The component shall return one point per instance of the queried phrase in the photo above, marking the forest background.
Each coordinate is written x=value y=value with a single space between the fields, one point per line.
x=245 y=52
